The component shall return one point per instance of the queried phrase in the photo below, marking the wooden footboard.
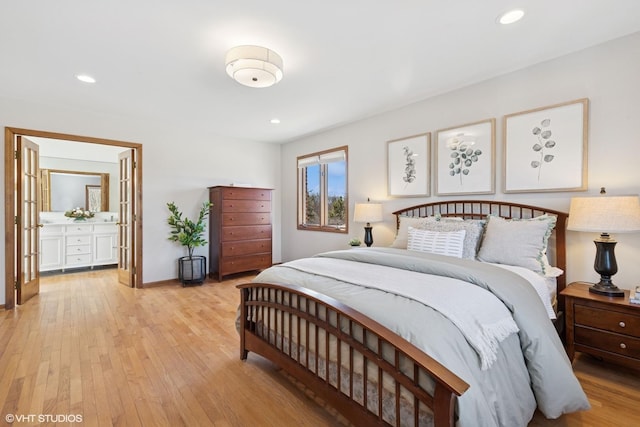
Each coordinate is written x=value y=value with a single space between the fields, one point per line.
x=364 y=370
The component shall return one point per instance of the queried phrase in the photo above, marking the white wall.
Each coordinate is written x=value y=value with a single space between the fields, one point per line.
x=606 y=74
x=179 y=163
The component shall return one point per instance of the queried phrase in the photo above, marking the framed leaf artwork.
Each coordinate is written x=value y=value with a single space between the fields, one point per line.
x=465 y=159
x=545 y=149
x=408 y=162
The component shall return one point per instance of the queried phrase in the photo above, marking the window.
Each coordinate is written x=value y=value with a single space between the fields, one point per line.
x=322 y=191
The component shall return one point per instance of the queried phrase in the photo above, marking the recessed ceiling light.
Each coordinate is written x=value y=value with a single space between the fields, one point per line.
x=85 y=78
x=275 y=121
x=511 y=17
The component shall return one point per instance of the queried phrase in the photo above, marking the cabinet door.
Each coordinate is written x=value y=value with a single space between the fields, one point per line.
x=105 y=249
x=51 y=253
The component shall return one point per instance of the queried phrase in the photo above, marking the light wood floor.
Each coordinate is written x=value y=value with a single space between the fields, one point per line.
x=168 y=356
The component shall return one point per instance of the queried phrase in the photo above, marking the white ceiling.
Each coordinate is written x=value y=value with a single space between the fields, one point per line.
x=343 y=59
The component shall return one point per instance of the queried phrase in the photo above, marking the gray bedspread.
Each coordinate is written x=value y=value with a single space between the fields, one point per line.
x=532 y=369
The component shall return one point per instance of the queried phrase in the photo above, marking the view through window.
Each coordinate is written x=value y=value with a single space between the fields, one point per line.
x=322 y=191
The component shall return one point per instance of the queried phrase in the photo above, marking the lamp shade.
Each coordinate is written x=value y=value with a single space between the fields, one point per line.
x=254 y=66
x=367 y=212
x=605 y=214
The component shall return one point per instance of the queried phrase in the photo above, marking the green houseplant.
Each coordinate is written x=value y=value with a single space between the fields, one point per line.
x=354 y=242
x=191 y=269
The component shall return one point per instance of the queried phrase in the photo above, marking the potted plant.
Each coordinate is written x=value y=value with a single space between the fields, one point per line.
x=355 y=242
x=191 y=269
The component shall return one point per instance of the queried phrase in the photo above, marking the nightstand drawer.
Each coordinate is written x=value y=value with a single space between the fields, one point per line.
x=607 y=341
x=609 y=320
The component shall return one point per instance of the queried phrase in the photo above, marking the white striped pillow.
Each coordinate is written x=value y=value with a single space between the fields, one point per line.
x=450 y=243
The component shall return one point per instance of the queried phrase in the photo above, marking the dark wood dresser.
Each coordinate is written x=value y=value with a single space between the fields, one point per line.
x=239 y=230
x=602 y=326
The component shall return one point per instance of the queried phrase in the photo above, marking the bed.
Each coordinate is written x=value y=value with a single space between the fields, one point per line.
x=401 y=336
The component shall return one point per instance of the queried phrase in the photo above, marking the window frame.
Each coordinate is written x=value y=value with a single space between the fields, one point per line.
x=324 y=182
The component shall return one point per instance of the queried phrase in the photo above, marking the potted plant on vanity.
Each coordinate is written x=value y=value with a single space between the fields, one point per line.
x=191 y=269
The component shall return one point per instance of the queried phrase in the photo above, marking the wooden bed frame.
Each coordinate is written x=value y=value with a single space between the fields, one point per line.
x=324 y=323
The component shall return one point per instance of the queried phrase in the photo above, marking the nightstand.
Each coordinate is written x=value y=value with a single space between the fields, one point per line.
x=602 y=326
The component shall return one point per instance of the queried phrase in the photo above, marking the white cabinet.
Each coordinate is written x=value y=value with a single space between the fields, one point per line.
x=51 y=247
x=77 y=245
x=105 y=244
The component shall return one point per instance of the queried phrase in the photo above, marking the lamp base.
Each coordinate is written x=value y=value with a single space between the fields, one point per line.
x=368 y=235
x=607 y=289
x=605 y=265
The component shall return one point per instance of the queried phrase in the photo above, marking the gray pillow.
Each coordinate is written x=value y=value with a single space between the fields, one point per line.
x=521 y=242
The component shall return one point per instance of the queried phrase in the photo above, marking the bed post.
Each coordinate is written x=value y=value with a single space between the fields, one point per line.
x=243 y=323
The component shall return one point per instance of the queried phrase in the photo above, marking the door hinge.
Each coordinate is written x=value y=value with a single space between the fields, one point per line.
x=133 y=270
x=135 y=164
x=15 y=285
x=16 y=155
x=133 y=217
x=15 y=220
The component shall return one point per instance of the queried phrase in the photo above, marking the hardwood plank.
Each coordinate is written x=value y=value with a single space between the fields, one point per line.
x=168 y=356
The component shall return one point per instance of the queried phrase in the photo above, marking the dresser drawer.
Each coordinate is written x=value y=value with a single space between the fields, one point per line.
x=246 y=193
x=607 y=341
x=608 y=320
x=248 y=247
x=82 y=259
x=246 y=219
x=78 y=249
x=246 y=206
x=246 y=232
x=80 y=239
x=78 y=228
x=245 y=263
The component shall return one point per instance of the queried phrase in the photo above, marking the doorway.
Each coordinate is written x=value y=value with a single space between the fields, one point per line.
x=130 y=227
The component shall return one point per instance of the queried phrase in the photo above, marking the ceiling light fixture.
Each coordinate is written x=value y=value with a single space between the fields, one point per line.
x=254 y=66
x=511 y=17
x=275 y=121
x=85 y=78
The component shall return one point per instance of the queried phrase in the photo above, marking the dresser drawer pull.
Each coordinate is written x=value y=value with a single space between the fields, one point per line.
x=622 y=324
x=623 y=345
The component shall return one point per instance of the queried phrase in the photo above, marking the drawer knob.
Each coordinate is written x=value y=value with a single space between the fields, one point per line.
x=623 y=345
x=622 y=324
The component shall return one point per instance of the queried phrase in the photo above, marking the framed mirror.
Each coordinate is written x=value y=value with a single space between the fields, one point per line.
x=62 y=190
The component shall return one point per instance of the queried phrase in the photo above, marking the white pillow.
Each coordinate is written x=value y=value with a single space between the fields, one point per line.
x=474 y=229
x=416 y=222
x=521 y=242
x=448 y=243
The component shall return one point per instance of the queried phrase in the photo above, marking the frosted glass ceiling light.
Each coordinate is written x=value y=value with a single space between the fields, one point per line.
x=254 y=66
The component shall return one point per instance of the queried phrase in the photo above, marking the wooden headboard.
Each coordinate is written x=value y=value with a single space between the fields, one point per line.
x=479 y=209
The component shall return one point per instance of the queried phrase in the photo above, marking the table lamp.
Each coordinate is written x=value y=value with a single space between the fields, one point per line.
x=367 y=212
x=605 y=214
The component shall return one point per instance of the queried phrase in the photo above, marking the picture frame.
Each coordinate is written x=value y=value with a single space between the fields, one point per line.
x=545 y=149
x=93 y=198
x=408 y=166
x=465 y=159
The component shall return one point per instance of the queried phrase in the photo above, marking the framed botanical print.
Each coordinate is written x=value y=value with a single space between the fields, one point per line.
x=408 y=161
x=465 y=159
x=545 y=149
x=93 y=198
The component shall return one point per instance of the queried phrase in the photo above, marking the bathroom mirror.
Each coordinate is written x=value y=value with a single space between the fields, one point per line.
x=62 y=190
